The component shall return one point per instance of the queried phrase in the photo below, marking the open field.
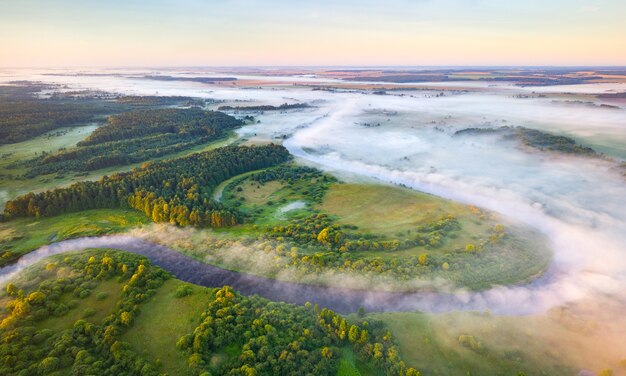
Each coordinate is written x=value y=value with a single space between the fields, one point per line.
x=94 y=308
x=385 y=210
x=24 y=235
x=462 y=343
x=425 y=339
x=173 y=317
x=396 y=212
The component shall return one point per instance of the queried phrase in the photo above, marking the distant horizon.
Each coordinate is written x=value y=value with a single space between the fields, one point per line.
x=399 y=66
x=63 y=33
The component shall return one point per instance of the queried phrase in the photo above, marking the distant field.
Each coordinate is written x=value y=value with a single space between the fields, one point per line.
x=12 y=184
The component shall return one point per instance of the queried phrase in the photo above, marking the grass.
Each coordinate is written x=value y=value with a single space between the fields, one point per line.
x=349 y=365
x=12 y=186
x=23 y=235
x=101 y=306
x=384 y=210
x=431 y=344
x=254 y=198
x=163 y=320
x=257 y=194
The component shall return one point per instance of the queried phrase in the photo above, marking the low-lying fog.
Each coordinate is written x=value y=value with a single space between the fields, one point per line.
x=408 y=139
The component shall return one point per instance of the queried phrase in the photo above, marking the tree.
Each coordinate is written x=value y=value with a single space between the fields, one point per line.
x=11 y=289
x=361 y=312
x=353 y=334
x=126 y=318
x=423 y=259
x=326 y=352
x=36 y=298
x=323 y=236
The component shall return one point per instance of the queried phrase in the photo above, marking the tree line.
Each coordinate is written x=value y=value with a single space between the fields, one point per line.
x=24 y=119
x=267 y=107
x=176 y=191
x=137 y=136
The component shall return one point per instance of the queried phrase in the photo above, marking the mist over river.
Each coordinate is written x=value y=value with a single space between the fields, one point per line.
x=407 y=137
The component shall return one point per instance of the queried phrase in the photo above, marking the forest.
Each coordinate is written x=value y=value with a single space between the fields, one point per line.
x=202 y=80
x=263 y=337
x=23 y=116
x=177 y=191
x=534 y=138
x=152 y=100
x=284 y=106
x=136 y=136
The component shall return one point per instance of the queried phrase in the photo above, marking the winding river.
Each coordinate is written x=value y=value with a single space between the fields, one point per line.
x=338 y=299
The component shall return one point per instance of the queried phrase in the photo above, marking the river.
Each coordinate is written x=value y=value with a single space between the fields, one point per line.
x=338 y=299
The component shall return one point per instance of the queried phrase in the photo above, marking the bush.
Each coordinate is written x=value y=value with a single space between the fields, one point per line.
x=182 y=291
x=102 y=295
x=88 y=312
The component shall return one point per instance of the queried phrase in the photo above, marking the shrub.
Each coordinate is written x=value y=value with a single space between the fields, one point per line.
x=102 y=295
x=88 y=312
x=182 y=291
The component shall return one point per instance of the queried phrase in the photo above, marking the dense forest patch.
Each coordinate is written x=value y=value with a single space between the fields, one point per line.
x=137 y=136
x=22 y=119
x=153 y=100
x=284 y=106
x=534 y=138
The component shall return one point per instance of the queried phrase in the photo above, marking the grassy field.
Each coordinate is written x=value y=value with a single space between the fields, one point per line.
x=257 y=194
x=264 y=202
x=101 y=302
x=386 y=210
x=396 y=212
x=173 y=317
x=349 y=365
x=10 y=183
x=21 y=236
x=434 y=343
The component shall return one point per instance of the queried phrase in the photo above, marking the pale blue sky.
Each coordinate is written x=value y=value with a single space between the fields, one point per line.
x=280 y=32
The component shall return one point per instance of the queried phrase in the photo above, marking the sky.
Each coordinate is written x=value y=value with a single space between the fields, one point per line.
x=72 y=33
